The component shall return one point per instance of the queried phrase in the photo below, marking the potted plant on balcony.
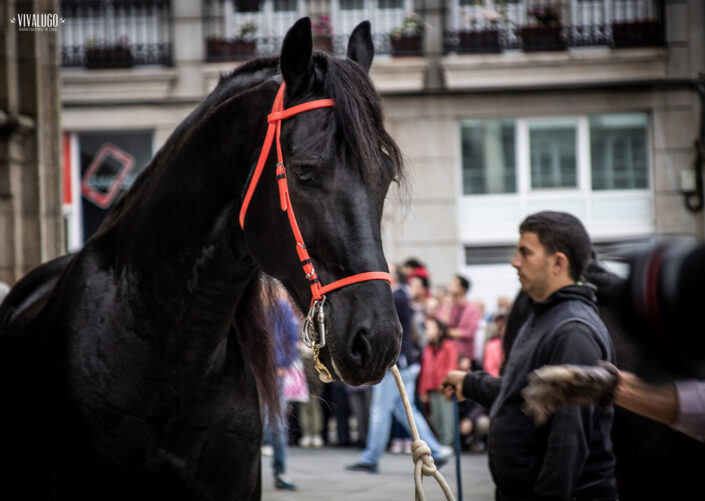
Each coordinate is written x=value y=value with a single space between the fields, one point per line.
x=243 y=45
x=546 y=33
x=102 y=55
x=407 y=39
x=642 y=33
x=322 y=34
x=483 y=35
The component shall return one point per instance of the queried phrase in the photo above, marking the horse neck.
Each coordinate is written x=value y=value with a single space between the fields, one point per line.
x=177 y=233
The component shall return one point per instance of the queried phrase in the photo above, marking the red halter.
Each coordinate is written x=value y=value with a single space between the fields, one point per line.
x=275 y=123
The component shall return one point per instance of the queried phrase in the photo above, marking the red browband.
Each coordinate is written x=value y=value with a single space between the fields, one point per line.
x=275 y=121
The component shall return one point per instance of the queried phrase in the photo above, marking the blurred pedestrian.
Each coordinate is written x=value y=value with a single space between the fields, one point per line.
x=284 y=324
x=439 y=357
x=461 y=315
x=493 y=357
x=310 y=413
x=386 y=401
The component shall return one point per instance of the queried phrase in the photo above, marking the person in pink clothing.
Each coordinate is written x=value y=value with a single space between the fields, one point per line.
x=461 y=316
x=439 y=357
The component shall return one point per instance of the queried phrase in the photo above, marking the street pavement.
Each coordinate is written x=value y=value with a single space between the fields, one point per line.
x=320 y=475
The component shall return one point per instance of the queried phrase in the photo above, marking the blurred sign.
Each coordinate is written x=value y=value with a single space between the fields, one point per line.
x=105 y=174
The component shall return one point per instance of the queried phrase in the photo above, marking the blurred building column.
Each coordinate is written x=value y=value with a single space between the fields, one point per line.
x=188 y=45
x=432 y=12
x=31 y=223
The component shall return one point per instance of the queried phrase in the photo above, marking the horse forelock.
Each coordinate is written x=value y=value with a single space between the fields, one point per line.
x=362 y=140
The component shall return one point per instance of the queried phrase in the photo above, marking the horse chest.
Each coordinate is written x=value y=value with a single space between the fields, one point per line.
x=159 y=425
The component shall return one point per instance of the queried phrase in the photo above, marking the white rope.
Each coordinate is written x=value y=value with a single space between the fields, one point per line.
x=421 y=453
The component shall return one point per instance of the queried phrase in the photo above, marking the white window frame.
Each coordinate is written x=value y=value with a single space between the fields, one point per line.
x=491 y=219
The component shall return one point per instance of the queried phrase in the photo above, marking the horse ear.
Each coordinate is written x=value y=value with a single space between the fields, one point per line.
x=295 y=60
x=360 y=46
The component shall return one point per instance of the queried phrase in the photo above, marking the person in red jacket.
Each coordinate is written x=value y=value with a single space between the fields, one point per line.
x=439 y=356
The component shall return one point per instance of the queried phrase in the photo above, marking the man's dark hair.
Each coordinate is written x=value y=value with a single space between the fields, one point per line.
x=413 y=263
x=561 y=232
x=465 y=283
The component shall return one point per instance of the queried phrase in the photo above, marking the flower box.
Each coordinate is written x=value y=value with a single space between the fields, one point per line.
x=479 y=41
x=219 y=49
x=115 y=56
x=542 y=37
x=637 y=34
x=407 y=45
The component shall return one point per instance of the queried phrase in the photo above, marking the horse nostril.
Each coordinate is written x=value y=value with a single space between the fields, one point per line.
x=360 y=347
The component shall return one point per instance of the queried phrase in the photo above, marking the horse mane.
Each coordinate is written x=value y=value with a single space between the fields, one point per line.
x=359 y=119
x=255 y=331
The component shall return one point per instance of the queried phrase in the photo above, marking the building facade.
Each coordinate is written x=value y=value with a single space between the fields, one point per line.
x=501 y=108
x=31 y=221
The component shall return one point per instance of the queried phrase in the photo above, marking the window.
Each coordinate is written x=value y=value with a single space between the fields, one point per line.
x=618 y=152
x=391 y=4
x=352 y=4
x=284 y=5
x=488 y=150
x=552 y=147
x=489 y=254
x=589 y=153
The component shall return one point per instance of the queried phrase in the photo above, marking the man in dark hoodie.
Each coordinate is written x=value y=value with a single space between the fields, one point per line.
x=570 y=456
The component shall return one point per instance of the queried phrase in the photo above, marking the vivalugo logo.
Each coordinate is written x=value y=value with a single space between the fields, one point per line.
x=37 y=22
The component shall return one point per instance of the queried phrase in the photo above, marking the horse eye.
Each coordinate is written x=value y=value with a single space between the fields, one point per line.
x=303 y=173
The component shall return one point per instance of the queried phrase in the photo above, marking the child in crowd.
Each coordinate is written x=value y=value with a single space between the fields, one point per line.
x=493 y=357
x=439 y=356
x=474 y=421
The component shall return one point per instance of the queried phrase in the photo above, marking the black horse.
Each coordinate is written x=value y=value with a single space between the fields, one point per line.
x=653 y=461
x=139 y=368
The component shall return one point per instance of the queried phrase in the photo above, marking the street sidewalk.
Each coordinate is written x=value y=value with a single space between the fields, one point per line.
x=320 y=475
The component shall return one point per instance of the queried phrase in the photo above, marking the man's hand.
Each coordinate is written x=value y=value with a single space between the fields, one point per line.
x=553 y=386
x=452 y=384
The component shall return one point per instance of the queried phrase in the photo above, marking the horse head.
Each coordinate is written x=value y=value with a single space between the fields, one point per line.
x=339 y=162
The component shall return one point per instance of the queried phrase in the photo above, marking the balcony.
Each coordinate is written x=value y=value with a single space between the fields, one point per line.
x=242 y=29
x=102 y=34
x=496 y=26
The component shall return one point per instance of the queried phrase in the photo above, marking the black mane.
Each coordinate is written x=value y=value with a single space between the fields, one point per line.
x=359 y=119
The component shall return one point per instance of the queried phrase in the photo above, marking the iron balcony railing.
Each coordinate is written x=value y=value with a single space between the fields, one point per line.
x=487 y=26
x=242 y=29
x=124 y=33
x=115 y=33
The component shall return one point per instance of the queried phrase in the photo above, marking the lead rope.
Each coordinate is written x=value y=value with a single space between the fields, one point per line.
x=421 y=453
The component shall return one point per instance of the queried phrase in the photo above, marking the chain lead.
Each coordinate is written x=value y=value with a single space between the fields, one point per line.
x=315 y=339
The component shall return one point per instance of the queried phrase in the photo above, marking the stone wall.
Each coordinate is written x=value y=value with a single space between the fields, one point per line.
x=30 y=157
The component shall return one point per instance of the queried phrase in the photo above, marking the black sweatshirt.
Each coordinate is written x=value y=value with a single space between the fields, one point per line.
x=570 y=456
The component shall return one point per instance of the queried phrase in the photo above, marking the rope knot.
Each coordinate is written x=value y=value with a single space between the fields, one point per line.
x=420 y=451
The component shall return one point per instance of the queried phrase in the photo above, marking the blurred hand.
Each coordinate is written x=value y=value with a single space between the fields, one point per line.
x=554 y=386
x=424 y=398
x=452 y=384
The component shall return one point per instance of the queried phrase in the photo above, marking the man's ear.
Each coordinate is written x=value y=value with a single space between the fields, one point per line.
x=561 y=263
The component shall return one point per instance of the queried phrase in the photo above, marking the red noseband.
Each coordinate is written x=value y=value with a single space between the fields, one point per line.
x=275 y=122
